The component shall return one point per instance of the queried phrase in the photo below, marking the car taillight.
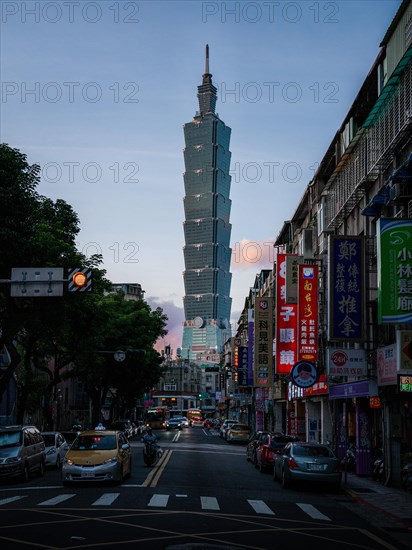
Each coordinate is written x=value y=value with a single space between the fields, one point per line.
x=292 y=464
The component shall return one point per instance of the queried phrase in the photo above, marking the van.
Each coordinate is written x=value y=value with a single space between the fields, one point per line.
x=22 y=452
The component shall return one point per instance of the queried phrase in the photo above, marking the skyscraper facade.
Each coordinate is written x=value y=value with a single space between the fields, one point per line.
x=207 y=229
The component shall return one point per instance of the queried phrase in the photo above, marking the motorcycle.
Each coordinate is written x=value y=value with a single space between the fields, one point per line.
x=349 y=460
x=378 y=469
x=150 y=453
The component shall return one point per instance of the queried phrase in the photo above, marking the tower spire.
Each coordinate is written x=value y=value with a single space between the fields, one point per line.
x=206 y=91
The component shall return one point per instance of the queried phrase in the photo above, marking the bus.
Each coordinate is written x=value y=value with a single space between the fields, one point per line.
x=156 y=417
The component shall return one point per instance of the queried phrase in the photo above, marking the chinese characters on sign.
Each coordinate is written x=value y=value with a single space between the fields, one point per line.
x=286 y=322
x=346 y=362
x=243 y=365
x=394 y=270
x=308 y=320
x=263 y=356
x=405 y=383
x=346 y=293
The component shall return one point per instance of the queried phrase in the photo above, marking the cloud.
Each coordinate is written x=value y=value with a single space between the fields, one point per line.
x=174 y=327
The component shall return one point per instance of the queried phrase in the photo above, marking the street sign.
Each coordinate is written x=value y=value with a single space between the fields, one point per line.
x=29 y=282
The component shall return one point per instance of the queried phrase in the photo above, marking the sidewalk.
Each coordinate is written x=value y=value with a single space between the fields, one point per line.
x=394 y=503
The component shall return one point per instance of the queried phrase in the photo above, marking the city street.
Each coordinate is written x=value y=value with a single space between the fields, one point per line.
x=202 y=491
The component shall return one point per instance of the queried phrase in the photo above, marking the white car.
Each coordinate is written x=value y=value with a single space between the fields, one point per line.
x=56 y=448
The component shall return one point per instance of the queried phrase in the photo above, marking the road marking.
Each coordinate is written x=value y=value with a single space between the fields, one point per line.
x=152 y=473
x=55 y=500
x=176 y=437
x=10 y=499
x=260 y=507
x=209 y=503
x=159 y=500
x=106 y=499
x=312 y=511
x=161 y=468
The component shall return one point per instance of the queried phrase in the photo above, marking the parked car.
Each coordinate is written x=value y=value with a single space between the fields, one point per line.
x=22 y=451
x=238 y=433
x=56 y=448
x=98 y=455
x=307 y=462
x=225 y=426
x=253 y=443
x=268 y=447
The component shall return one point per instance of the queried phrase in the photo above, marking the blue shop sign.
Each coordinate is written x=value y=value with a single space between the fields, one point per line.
x=363 y=388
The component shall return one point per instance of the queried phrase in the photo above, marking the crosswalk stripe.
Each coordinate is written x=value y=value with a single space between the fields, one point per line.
x=260 y=507
x=55 y=500
x=10 y=499
x=106 y=499
x=209 y=503
x=312 y=511
x=159 y=500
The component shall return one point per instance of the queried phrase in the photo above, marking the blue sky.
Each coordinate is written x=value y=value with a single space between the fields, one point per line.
x=96 y=93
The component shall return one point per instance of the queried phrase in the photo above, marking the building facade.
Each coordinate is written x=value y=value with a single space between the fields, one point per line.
x=207 y=229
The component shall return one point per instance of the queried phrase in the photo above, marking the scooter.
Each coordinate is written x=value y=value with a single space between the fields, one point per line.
x=150 y=453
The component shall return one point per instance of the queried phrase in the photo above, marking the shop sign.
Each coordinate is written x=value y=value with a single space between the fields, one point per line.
x=394 y=237
x=251 y=337
x=404 y=341
x=292 y=278
x=346 y=289
x=363 y=388
x=304 y=374
x=308 y=315
x=243 y=363
x=346 y=362
x=286 y=321
x=405 y=383
x=263 y=355
x=375 y=403
x=319 y=388
x=387 y=366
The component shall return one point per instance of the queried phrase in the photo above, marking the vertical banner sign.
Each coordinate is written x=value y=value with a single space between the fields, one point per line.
x=308 y=317
x=346 y=288
x=292 y=278
x=286 y=321
x=394 y=270
x=263 y=353
x=250 y=355
x=243 y=364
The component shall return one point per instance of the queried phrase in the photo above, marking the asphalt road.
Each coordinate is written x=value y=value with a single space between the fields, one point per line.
x=202 y=493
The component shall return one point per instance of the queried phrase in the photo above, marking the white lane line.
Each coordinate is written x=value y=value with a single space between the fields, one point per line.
x=209 y=503
x=10 y=499
x=106 y=499
x=260 y=507
x=55 y=500
x=312 y=511
x=159 y=500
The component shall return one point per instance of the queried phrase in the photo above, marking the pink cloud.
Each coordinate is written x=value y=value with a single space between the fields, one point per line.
x=256 y=255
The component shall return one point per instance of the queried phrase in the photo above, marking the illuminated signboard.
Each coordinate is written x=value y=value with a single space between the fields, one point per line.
x=405 y=383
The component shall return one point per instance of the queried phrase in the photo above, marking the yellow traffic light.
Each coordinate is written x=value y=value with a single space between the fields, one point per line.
x=79 y=280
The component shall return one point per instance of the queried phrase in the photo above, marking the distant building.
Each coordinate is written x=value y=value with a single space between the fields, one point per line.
x=132 y=291
x=207 y=205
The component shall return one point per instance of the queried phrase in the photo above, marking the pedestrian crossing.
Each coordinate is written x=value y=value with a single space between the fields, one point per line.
x=165 y=501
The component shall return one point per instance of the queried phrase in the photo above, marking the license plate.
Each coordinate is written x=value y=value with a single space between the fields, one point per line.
x=317 y=467
x=87 y=474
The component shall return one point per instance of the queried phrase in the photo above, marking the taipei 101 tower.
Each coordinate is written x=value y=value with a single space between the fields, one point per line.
x=207 y=251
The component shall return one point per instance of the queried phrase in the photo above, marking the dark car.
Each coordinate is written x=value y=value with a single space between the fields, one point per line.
x=253 y=443
x=122 y=425
x=308 y=462
x=175 y=423
x=268 y=447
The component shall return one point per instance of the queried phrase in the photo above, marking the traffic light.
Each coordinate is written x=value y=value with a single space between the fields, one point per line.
x=80 y=280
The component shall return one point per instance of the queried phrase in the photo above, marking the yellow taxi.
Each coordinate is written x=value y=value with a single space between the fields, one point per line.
x=238 y=433
x=97 y=455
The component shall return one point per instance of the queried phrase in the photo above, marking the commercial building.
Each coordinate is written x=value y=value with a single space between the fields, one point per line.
x=207 y=229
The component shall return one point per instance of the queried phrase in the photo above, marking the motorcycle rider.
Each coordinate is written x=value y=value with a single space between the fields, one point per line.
x=150 y=438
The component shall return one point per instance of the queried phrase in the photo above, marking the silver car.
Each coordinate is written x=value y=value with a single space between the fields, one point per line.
x=22 y=452
x=307 y=462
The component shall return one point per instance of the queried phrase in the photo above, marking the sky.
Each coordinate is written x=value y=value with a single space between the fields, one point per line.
x=97 y=93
